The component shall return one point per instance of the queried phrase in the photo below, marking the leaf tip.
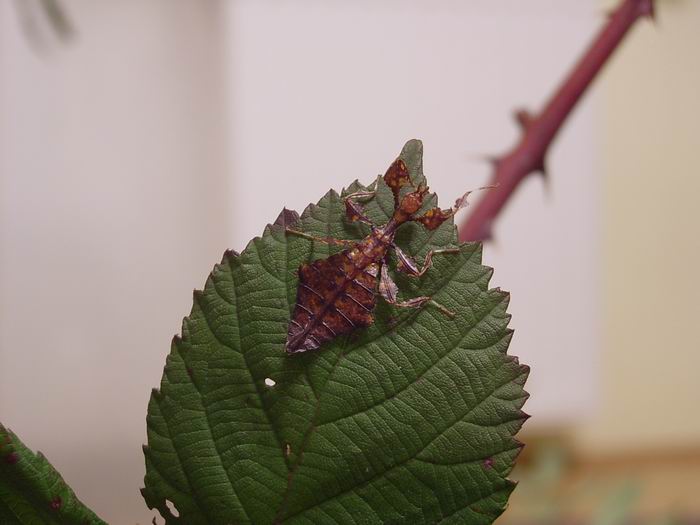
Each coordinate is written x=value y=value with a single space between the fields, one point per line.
x=412 y=147
x=519 y=445
x=524 y=373
x=287 y=218
x=156 y=394
x=354 y=186
x=229 y=255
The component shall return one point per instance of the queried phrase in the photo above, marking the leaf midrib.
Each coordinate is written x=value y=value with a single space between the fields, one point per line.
x=312 y=427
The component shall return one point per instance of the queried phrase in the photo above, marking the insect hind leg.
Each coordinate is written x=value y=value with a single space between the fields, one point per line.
x=389 y=291
x=410 y=267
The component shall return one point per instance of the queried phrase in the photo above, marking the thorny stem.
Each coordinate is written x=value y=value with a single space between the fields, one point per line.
x=539 y=130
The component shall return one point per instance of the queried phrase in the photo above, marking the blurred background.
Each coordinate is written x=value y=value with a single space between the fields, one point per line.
x=139 y=140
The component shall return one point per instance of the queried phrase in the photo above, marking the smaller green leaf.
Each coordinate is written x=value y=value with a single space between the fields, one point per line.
x=32 y=491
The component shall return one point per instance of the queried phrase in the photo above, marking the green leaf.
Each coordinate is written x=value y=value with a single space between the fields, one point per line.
x=32 y=491
x=409 y=421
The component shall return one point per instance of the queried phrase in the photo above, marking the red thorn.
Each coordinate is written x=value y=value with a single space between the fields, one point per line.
x=56 y=503
x=494 y=160
x=524 y=118
x=12 y=458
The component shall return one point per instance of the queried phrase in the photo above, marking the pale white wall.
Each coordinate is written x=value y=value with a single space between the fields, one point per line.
x=116 y=199
x=113 y=205
x=326 y=92
x=651 y=256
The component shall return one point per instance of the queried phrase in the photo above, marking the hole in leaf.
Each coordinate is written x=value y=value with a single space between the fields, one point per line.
x=270 y=382
x=172 y=508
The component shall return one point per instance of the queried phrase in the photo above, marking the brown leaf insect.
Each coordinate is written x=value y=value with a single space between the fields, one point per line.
x=337 y=295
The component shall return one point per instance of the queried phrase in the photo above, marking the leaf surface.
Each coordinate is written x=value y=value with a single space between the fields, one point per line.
x=409 y=421
x=32 y=491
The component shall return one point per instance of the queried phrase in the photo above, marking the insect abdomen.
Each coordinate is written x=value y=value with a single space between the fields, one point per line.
x=334 y=297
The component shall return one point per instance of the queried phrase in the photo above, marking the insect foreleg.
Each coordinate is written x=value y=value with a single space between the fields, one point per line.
x=325 y=240
x=354 y=210
x=389 y=291
x=434 y=217
x=408 y=266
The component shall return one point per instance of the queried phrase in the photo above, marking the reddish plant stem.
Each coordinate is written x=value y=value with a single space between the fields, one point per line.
x=539 y=130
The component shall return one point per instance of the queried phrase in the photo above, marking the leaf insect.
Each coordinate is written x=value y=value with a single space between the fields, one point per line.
x=337 y=295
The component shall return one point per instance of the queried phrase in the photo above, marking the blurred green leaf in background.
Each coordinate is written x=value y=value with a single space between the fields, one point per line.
x=32 y=492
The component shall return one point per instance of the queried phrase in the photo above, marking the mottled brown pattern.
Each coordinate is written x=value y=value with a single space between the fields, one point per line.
x=334 y=297
x=337 y=295
x=433 y=218
x=396 y=177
